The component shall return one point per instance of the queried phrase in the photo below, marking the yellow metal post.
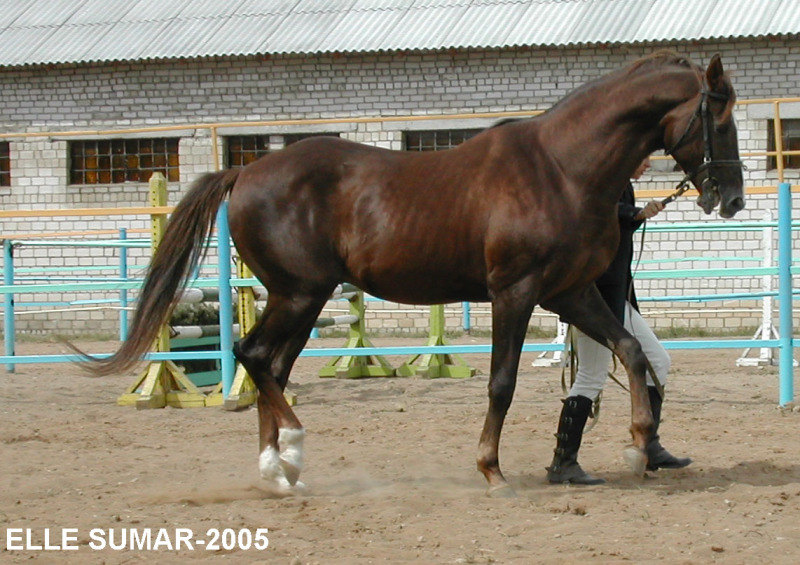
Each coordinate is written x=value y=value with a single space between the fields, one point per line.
x=778 y=126
x=357 y=366
x=435 y=365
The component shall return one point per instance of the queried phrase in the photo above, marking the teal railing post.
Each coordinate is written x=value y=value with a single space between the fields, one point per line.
x=786 y=359
x=466 y=316
x=123 y=294
x=8 y=301
x=227 y=364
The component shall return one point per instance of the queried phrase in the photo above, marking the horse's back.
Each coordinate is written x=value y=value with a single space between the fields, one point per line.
x=327 y=208
x=412 y=227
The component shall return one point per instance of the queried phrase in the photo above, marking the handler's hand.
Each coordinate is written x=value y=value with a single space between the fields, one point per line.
x=651 y=209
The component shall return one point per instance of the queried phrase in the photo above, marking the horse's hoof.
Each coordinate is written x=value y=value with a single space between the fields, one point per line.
x=291 y=472
x=501 y=491
x=297 y=489
x=281 y=488
x=636 y=460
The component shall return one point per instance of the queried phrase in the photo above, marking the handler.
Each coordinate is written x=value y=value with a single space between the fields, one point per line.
x=593 y=359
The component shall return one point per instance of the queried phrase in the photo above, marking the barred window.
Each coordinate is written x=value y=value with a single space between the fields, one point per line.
x=436 y=140
x=123 y=160
x=244 y=149
x=5 y=164
x=790 y=137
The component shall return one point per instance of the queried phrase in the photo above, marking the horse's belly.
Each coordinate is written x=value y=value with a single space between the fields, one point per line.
x=418 y=282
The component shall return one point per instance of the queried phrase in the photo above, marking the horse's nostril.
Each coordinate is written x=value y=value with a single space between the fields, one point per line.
x=736 y=204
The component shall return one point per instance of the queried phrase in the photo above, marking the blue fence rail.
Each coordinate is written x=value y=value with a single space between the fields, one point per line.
x=224 y=281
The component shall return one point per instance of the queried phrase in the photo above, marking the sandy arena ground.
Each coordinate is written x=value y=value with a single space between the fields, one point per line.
x=390 y=466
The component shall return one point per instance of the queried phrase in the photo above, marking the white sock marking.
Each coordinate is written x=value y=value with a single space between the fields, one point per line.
x=269 y=464
x=290 y=442
x=283 y=469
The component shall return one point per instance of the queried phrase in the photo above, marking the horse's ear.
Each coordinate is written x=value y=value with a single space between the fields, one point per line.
x=715 y=74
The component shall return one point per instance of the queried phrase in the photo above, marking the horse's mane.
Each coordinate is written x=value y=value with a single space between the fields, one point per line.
x=656 y=60
x=653 y=61
x=660 y=58
x=665 y=57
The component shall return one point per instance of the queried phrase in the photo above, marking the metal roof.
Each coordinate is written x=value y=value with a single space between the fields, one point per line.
x=81 y=31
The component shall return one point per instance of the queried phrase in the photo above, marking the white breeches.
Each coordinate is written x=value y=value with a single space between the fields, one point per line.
x=594 y=359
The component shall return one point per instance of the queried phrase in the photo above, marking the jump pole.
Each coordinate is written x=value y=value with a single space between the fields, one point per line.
x=786 y=364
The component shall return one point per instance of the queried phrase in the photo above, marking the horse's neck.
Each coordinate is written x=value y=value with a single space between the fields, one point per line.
x=602 y=133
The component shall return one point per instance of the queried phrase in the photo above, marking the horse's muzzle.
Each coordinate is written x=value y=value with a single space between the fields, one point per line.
x=730 y=201
x=731 y=207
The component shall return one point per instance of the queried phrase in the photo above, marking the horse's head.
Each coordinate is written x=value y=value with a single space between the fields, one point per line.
x=701 y=136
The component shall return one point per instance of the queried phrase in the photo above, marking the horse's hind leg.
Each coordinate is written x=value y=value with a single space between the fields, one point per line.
x=590 y=314
x=268 y=352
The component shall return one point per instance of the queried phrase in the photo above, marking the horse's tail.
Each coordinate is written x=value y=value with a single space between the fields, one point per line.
x=181 y=249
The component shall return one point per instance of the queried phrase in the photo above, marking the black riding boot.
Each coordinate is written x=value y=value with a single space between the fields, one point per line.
x=565 y=468
x=657 y=456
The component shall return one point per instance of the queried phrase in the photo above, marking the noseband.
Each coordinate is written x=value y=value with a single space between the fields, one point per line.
x=710 y=184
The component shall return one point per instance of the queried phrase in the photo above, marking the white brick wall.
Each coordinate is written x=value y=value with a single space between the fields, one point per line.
x=286 y=87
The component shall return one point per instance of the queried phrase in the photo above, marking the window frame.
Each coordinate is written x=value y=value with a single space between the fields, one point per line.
x=442 y=139
x=245 y=155
x=107 y=161
x=790 y=136
x=261 y=145
x=5 y=164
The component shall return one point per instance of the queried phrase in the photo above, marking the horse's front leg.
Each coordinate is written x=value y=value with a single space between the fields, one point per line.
x=511 y=311
x=589 y=313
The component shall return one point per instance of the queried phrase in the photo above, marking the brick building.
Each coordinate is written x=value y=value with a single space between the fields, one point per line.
x=82 y=82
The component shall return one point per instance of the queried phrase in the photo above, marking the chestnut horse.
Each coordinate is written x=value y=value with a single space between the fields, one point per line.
x=521 y=214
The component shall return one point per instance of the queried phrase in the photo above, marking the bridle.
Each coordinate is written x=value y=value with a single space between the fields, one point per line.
x=710 y=184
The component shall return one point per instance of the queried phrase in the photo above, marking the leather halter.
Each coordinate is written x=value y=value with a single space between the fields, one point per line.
x=710 y=183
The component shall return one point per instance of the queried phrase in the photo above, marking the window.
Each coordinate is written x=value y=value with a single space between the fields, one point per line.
x=123 y=160
x=5 y=164
x=244 y=149
x=790 y=130
x=436 y=140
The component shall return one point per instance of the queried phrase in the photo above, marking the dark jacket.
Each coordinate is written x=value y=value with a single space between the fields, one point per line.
x=615 y=283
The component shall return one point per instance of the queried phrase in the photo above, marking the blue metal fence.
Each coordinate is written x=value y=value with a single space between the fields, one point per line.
x=224 y=281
